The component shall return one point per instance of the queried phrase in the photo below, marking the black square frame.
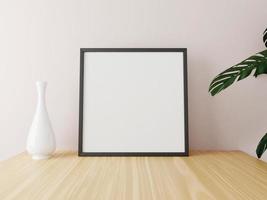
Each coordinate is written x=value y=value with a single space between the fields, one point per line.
x=80 y=139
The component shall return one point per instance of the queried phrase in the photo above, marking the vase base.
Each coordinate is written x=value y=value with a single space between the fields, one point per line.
x=40 y=157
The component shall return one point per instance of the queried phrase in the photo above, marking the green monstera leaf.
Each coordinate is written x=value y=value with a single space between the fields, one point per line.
x=262 y=146
x=265 y=37
x=256 y=64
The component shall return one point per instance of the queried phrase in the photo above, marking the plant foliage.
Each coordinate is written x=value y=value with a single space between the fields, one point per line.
x=256 y=64
x=265 y=37
x=262 y=146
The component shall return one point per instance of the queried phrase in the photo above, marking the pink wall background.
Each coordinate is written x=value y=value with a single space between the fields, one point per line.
x=40 y=40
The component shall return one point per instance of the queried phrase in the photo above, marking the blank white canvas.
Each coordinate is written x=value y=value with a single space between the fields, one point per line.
x=133 y=102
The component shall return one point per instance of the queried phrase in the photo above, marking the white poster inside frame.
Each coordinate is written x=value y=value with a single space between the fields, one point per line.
x=133 y=102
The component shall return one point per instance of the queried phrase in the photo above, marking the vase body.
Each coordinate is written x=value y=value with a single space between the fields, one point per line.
x=41 y=139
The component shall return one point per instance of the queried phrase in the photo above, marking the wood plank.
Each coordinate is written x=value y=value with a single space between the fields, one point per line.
x=203 y=175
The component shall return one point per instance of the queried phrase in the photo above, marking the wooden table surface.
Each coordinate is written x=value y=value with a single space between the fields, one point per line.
x=203 y=175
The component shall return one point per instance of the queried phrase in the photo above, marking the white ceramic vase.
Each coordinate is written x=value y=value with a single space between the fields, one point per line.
x=41 y=139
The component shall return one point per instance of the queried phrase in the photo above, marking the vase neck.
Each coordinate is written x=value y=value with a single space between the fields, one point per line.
x=41 y=89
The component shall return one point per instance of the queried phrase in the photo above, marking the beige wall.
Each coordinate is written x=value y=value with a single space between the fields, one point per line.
x=41 y=40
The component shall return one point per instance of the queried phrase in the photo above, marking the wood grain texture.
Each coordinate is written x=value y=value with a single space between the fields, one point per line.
x=203 y=175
